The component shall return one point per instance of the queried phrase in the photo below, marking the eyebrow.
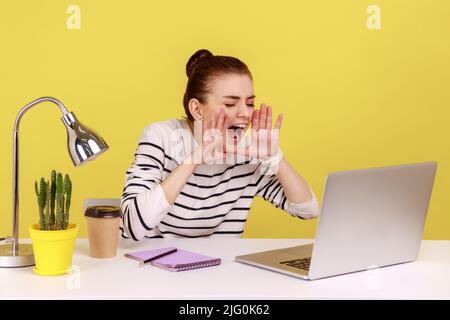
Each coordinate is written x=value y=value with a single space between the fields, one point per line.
x=237 y=97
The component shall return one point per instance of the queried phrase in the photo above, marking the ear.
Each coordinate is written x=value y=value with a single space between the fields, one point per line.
x=195 y=109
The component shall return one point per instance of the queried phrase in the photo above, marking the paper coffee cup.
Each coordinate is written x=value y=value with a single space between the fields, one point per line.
x=103 y=230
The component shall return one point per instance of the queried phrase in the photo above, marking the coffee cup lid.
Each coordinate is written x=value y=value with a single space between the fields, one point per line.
x=102 y=212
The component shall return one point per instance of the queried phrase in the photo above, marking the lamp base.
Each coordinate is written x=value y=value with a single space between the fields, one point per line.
x=23 y=258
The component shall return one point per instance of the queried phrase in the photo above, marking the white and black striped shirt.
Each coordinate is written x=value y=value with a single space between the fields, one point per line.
x=215 y=200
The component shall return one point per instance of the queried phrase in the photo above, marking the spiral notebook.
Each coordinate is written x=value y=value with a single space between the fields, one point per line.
x=179 y=260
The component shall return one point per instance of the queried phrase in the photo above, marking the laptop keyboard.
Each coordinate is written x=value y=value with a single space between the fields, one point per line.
x=299 y=263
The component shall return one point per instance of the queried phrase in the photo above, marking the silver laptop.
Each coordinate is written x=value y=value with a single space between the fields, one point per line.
x=369 y=218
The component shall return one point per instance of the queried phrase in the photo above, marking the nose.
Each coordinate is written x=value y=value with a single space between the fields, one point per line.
x=244 y=112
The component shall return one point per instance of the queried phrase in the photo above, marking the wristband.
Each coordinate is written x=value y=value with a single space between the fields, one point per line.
x=274 y=160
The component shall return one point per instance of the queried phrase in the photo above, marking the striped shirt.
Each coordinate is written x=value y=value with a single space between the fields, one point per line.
x=215 y=201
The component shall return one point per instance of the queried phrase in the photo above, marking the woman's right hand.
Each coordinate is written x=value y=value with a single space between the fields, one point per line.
x=212 y=135
x=213 y=139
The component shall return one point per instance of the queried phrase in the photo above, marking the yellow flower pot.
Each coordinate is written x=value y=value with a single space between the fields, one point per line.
x=53 y=250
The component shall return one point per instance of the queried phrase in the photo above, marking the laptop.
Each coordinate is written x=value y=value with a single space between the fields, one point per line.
x=369 y=218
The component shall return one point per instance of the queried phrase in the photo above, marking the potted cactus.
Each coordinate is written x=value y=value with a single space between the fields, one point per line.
x=53 y=237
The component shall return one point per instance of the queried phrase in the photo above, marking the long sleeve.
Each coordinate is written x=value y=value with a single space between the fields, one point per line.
x=143 y=201
x=270 y=188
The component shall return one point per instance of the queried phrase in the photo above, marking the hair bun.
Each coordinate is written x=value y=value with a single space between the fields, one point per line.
x=195 y=59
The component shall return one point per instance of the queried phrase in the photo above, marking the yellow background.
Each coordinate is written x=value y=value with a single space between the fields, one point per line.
x=352 y=97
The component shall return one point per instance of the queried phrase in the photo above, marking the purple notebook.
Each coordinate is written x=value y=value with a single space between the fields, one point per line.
x=179 y=260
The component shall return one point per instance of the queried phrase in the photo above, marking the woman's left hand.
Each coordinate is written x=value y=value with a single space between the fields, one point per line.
x=264 y=139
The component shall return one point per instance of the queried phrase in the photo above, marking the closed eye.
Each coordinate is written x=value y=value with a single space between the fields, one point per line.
x=232 y=105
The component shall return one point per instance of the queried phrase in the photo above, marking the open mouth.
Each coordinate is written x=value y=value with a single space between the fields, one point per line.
x=236 y=131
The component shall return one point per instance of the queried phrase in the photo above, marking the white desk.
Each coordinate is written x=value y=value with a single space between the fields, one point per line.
x=120 y=278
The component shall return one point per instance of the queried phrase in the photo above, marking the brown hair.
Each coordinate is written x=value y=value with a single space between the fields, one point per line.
x=201 y=68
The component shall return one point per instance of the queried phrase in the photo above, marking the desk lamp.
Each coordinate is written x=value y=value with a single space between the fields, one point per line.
x=83 y=144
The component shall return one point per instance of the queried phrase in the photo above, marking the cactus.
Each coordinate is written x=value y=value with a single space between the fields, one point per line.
x=41 y=194
x=47 y=206
x=68 y=197
x=54 y=200
x=53 y=197
x=59 y=201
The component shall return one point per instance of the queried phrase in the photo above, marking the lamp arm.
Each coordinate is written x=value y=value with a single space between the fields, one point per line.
x=15 y=226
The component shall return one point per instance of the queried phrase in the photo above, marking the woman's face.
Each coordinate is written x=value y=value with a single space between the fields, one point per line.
x=234 y=94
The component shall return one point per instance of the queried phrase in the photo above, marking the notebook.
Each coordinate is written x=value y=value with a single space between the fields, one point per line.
x=179 y=260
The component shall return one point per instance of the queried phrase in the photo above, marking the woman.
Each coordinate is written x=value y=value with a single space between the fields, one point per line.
x=197 y=176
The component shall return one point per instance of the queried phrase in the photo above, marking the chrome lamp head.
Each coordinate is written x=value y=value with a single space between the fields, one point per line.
x=83 y=143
